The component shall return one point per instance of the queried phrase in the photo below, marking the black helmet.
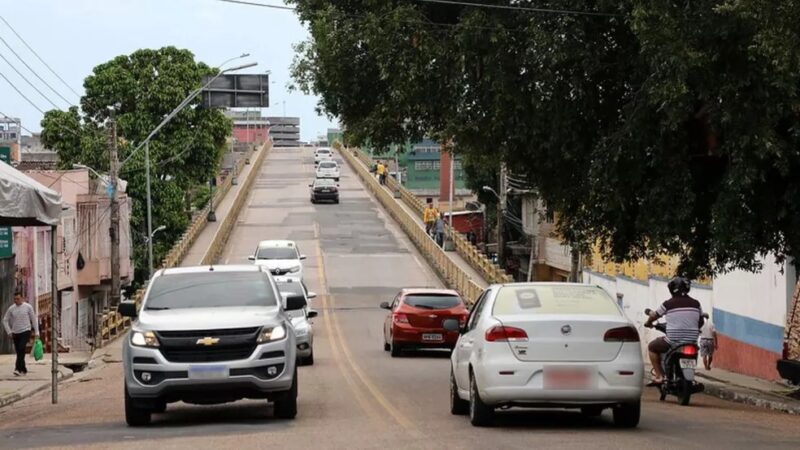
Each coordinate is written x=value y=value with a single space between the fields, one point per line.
x=679 y=286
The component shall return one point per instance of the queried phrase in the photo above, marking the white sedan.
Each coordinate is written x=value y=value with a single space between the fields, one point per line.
x=322 y=154
x=328 y=169
x=546 y=345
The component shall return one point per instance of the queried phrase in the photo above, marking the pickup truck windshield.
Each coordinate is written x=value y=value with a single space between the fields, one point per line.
x=211 y=289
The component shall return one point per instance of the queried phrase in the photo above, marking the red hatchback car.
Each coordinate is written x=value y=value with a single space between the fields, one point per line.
x=416 y=319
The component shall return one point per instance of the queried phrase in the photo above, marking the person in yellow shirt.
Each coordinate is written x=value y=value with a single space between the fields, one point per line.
x=429 y=216
x=381 y=171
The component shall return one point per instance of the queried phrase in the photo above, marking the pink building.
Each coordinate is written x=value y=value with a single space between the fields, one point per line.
x=83 y=250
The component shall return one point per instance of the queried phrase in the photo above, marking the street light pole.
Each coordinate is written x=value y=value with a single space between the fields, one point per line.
x=501 y=217
x=149 y=210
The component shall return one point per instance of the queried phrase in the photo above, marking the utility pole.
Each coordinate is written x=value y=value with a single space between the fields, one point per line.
x=114 y=230
x=501 y=218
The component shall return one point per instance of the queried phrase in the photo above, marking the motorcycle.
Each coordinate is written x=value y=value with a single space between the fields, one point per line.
x=679 y=365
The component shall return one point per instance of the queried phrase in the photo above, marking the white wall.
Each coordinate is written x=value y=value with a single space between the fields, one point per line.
x=639 y=295
x=761 y=296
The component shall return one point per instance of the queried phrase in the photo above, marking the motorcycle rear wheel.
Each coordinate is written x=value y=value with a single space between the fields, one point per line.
x=684 y=392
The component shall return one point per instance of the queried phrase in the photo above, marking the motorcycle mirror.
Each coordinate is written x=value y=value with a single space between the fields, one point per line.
x=648 y=311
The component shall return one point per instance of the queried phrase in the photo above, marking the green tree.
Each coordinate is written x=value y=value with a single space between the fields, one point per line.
x=143 y=88
x=650 y=126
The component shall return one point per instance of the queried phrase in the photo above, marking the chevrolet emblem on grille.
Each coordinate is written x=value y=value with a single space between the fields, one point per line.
x=207 y=341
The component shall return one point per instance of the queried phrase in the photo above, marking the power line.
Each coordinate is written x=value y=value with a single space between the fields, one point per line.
x=28 y=81
x=20 y=93
x=34 y=72
x=38 y=57
x=523 y=8
x=20 y=122
x=263 y=5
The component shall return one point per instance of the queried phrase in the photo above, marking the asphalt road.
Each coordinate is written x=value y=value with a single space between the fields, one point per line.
x=356 y=395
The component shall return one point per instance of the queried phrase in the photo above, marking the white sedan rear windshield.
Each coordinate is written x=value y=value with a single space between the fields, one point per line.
x=555 y=299
x=328 y=165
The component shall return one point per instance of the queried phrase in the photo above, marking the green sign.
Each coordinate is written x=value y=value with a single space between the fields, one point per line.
x=5 y=232
x=5 y=242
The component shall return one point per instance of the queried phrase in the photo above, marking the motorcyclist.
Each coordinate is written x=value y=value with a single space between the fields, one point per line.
x=684 y=317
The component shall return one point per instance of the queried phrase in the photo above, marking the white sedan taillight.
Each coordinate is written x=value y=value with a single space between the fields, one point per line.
x=621 y=334
x=500 y=333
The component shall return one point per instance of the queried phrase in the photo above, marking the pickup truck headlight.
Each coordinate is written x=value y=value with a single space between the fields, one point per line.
x=144 y=339
x=294 y=269
x=271 y=334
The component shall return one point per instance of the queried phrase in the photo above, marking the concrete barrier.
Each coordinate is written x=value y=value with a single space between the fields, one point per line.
x=490 y=271
x=447 y=270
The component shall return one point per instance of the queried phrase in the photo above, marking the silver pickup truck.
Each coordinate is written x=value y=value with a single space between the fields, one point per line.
x=208 y=335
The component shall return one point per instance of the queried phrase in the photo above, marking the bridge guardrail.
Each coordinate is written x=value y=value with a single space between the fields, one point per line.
x=448 y=270
x=490 y=271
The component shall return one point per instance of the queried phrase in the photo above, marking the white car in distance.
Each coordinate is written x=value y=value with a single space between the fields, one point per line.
x=280 y=257
x=559 y=345
x=322 y=154
x=328 y=169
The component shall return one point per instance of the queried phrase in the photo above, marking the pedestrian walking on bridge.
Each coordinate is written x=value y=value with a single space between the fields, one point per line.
x=429 y=216
x=439 y=230
x=18 y=322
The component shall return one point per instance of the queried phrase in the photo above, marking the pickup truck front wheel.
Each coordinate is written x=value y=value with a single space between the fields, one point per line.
x=286 y=406
x=135 y=416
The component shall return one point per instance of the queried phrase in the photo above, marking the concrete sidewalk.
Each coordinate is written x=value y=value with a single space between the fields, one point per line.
x=14 y=388
x=746 y=390
x=750 y=390
x=453 y=255
x=198 y=250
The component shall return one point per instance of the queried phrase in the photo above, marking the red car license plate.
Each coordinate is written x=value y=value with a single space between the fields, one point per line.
x=567 y=378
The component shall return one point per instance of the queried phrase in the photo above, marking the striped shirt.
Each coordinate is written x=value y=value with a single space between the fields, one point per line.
x=683 y=319
x=20 y=318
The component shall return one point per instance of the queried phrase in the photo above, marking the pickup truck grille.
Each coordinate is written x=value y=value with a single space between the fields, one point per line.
x=208 y=345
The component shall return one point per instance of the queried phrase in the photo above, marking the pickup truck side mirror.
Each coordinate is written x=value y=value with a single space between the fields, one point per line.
x=251 y=258
x=302 y=257
x=127 y=309
x=312 y=313
x=312 y=295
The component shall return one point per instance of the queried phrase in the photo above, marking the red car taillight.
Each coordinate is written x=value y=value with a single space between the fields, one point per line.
x=621 y=334
x=688 y=350
x=399 y=318
x=462 y=322
x=501 y=333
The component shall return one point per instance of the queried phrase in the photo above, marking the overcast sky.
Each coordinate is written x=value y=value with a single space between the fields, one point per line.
x=73 y=36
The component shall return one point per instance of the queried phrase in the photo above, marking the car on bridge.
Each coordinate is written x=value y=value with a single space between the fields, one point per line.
x=322 y=154
x=301 y=318
x=559 y=345
x=416 y=317
x=281 y=257
x=328 y=169
x=324 y=189
x=209 y=335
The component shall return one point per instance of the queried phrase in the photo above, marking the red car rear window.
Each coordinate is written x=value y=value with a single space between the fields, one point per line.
x=433 y=301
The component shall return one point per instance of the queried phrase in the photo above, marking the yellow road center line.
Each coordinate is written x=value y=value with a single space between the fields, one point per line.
x=373 y=389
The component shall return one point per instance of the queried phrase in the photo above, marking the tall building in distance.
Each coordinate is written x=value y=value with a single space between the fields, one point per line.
x=284 y=131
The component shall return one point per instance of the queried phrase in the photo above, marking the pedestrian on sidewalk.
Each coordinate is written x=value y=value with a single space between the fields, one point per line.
x=18 y=322
x=708 y=342
x=439 y=230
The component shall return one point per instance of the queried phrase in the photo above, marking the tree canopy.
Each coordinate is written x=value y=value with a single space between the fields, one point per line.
x=650 y=126
x=143 y=88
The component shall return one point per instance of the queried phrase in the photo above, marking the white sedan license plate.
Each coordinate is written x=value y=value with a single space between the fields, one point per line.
x=567 y=378
x=431 y=337
x=208 y=372
x=688 y=363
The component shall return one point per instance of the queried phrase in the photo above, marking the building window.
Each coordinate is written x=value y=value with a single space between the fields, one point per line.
x=436 y=165
x=423 y=165
x=457 y=165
